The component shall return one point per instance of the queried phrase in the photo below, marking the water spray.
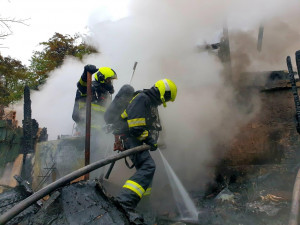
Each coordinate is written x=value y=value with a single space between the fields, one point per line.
x=187 y=209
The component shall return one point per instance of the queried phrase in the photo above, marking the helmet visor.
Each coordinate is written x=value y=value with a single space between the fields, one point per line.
x=167 y=96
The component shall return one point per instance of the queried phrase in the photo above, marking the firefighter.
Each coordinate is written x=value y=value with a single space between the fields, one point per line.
x=102 y=88
x=139 y=116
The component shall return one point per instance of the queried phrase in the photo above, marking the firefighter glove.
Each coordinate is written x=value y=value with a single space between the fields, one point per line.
x=90 y=68
x=109 y=88
x=153 y=147
x=152 y=144
x=111 y=91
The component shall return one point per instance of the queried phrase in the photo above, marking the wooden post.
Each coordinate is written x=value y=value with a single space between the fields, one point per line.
x=260 y=37
x=88 y=122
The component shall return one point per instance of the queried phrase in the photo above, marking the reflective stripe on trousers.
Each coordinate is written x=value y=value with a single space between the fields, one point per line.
x=135 y=187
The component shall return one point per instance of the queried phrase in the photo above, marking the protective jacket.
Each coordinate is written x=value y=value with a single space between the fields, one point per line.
x=100 y=97
x=139 y=117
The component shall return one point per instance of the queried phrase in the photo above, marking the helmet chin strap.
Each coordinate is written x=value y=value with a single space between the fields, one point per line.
x=163 y=101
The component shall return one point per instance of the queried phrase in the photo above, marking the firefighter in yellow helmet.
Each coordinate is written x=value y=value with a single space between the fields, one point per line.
x=140 y=124
x=102 y=88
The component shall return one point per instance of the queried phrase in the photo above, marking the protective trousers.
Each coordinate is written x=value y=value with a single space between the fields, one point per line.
x=138 y=185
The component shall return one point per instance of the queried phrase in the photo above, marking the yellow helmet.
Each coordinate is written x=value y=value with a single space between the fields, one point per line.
x=167 y=90
x=105 y=72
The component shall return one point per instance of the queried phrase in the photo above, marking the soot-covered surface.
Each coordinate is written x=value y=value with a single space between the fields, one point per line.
x=11 y=197
x=79 y=203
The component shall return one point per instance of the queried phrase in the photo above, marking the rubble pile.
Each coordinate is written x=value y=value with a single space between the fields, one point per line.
x=263 y=200
x=13 y=196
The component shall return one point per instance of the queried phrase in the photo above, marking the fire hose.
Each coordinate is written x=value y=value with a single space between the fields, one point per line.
x=15 y=210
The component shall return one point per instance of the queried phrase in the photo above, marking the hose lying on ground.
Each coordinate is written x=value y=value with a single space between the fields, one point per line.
x=15 y=210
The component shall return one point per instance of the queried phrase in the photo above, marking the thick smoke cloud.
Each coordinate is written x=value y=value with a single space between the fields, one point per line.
x=162 y=36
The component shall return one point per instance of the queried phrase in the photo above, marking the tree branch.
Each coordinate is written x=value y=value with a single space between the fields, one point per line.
x=5 y=25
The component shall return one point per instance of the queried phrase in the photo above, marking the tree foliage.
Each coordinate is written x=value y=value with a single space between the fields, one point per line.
x=14 y=75
x=54 y=52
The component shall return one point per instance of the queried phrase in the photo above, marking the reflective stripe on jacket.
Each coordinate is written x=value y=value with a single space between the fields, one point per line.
x=138 y=116
x=94 y=107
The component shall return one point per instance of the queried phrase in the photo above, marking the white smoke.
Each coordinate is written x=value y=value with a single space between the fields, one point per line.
x=162 y=35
